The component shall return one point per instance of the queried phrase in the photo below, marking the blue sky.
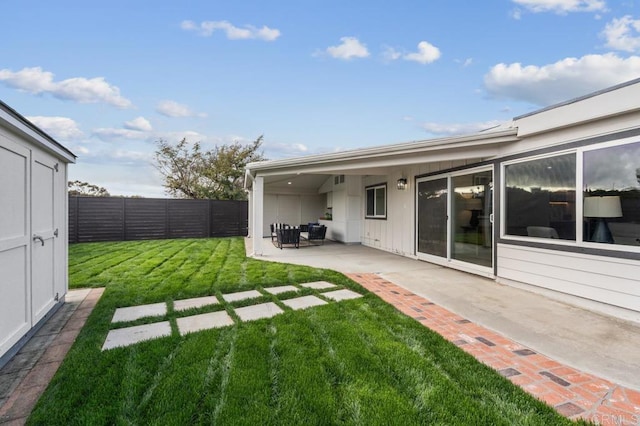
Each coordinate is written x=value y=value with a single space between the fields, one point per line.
x=109 y=79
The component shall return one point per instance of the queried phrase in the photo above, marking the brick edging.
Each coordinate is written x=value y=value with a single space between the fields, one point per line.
x=573 y=393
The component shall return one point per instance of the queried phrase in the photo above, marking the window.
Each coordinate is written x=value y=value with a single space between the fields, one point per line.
x=611 y=190
x=540 y=198
x=376 y=202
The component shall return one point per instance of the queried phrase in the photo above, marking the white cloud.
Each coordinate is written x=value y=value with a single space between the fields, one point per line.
x=560 y=81
x=277 y=150
x=561 y=7
x=174 y=109
x=131 y=156
x=189 y=135
x=426 y=53
x=390 y=54
x=207 y=28
x=59 y=127
x=109 y=134
x=79 y=89
x=623 y=34
x=140 y=123
x=349 y=48
x=82 y=150
x=452 y=129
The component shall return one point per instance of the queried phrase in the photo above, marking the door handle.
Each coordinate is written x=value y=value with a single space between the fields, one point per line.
x=38 y=237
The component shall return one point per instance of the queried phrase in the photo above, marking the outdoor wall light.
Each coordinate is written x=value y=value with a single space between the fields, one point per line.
x=402 y=184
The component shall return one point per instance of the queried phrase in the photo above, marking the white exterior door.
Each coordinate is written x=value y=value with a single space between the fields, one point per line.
x=15 y=243
x=44 y=234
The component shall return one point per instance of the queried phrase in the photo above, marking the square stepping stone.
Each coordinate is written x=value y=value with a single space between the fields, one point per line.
x=343 y=294
x=131 y=335
x=304 y=302
x=281 y=289
x=203 y=322
x=196 y=302
x=133 y=313
x=318 y=285
x=241 y=295
x=254 y=312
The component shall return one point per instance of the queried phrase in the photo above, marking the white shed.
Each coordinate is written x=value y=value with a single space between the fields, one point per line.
x=33 y=228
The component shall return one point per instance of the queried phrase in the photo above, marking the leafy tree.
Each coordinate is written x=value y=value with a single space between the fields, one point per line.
x=190 y=172
x=79 y=188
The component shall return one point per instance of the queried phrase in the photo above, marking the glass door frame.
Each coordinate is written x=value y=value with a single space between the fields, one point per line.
x=449 y=261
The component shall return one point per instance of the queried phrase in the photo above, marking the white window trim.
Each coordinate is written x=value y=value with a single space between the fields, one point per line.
x=375 y=188
x=579 y=242
x=503 y=204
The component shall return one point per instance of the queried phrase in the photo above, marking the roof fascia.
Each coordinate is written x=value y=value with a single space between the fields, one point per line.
x=33 y=133
x=388 y=151
x=610 y=102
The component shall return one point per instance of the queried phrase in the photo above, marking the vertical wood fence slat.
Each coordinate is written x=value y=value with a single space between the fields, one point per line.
x=117 y=219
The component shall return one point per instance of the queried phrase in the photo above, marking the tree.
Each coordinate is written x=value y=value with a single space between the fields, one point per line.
x=190 y=172
x=78 y=188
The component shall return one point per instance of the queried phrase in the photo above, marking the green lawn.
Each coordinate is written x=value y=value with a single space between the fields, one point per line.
x=352 y=362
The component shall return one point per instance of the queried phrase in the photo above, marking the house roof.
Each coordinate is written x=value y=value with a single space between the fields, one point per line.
x=613 y=101
x=580 y=98
x=383 y=156
x=32 y=132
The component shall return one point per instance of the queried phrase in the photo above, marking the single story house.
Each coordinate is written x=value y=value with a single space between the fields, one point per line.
x=549 y=202
x=33 y=228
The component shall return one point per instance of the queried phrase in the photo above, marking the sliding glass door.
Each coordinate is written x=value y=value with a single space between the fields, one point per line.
x=432 y=217
x=455 y=219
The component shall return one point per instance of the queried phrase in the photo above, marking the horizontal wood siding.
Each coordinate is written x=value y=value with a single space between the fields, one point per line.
x=119 y=219
x=223 y=218
x=603 y=279
x=146 y=219
x=100 y=219
x=188 y=218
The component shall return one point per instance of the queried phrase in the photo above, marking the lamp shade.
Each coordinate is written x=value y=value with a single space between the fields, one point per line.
x=608 y=206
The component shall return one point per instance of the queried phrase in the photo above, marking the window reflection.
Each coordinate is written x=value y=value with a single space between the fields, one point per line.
x=432 y=217
x=612 y=195
x=471 y=227
x=541 y=198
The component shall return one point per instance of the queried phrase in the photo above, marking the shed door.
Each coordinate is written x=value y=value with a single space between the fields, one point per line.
x=15 y=243
x=44 y=234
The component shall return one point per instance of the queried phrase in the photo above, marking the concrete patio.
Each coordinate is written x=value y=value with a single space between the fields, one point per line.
x=604 y=346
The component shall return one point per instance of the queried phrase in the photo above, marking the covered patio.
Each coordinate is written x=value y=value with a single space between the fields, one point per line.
x=579 y=338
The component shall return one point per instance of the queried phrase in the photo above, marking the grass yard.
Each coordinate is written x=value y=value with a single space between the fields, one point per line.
x=352 y=362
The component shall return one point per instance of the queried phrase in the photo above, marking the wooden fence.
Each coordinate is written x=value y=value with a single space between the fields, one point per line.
x=120 y=219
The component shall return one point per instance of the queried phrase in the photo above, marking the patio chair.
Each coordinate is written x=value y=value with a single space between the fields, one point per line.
x=288 y=236
x=274 y=227
x=317 y=233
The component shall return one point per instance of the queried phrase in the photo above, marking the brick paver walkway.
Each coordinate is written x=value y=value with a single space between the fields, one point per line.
x=35 y=367
x=572 y=393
